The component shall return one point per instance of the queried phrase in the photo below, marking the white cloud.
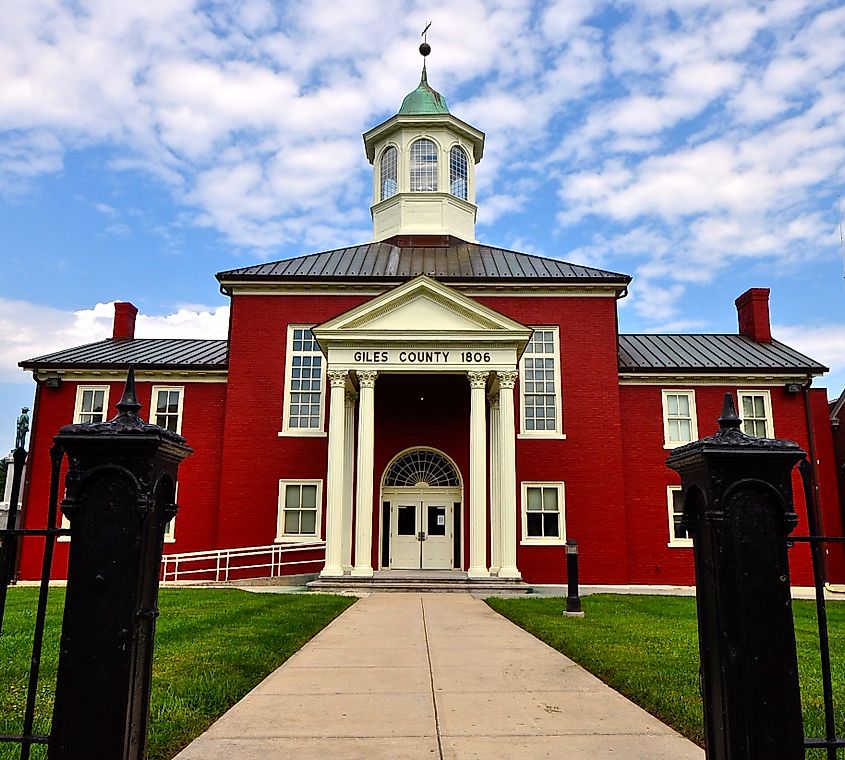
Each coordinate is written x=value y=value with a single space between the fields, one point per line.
x=824 y=343
x=28 y=330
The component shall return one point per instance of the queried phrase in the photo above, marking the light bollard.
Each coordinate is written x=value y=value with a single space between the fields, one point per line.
x=573 y=600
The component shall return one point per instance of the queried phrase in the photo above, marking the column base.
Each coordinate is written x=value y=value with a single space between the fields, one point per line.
x=478 y=572
x=362 y=572
x=509 y=572
x=332 y=572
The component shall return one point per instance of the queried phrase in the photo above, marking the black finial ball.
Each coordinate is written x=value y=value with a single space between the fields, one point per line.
x=425 y=49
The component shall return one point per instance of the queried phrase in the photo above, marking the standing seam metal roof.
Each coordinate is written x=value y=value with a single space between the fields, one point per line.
x=456 y=261
x=159 y=353
x=714 y=353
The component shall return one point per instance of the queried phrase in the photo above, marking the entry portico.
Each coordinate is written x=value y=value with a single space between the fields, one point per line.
x=422 y=328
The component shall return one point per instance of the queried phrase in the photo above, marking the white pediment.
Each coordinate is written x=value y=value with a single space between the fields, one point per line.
x=421 y=305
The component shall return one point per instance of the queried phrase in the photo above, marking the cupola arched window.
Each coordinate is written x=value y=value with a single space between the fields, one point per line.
x=422 y=467
x=458 y=172
x=389 y=173
x=423 y=166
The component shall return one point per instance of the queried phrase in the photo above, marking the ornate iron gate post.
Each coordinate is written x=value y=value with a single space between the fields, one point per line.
x=738 y=508
x=120 y=489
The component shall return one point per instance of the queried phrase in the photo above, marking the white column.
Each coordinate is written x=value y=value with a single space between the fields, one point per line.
x=477 y=477
x=495 y=513
x=334 y=475
x=364 y=501
x=348 y=479
x=507 y=475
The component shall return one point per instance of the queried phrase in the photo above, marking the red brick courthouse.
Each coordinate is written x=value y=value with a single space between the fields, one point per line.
x=426 y=401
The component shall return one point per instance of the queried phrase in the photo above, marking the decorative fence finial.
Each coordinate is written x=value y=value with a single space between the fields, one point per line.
x=729 y=418
x=128 y=404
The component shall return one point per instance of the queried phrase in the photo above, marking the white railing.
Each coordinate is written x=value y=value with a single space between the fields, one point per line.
x=218 y=564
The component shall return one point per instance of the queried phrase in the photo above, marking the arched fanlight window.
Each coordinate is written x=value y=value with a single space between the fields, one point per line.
x=389 y=173
x=458 y=172
x=422 y=467
x=423 y=166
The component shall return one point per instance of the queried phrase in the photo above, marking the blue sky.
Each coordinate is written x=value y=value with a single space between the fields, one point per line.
x=146 y=146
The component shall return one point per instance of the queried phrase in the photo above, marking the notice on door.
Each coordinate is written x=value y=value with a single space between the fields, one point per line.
x=441 y=519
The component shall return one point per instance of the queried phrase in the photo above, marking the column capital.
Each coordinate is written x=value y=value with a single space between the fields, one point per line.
x=337 y=377
x=507 y=378
x=350 y=398
x=366 y=377
x=493 y=401
x=477 y=379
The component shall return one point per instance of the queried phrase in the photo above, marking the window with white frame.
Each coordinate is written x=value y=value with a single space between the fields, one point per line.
x=542 y=513
x=539 y=386
x=299 y=510
x=423 y=166
x=304 y=383
x=389 y=172
x=170 y=525
x=679 y=422
x=755 y=408
x=678 y=535
x=166 y=407
x=458 y=172
x=92 y=403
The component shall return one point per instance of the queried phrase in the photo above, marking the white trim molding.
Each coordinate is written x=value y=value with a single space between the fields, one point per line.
x=560 y=489
x=281 y=535
x=674 y=541
x=672 y=440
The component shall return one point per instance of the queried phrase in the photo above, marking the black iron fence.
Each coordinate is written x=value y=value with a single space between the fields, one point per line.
x=118 y=497
x=738 y=507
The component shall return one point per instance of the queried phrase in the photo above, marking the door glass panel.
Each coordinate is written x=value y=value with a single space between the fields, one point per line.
x=436 y=521
x=406 y=520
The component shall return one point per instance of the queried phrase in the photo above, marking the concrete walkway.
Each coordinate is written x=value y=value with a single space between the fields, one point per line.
x=433 y=676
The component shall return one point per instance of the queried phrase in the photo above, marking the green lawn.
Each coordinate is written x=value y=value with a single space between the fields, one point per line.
x=647 y=648
x=212 y=647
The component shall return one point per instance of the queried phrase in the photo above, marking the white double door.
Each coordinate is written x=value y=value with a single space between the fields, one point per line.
x=421 y=533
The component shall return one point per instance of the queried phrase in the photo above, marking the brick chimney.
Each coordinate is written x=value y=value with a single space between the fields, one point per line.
x=124 y=320
x=752 y=308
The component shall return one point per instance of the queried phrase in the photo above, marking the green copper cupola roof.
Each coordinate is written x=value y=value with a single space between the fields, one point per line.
x=424 y=100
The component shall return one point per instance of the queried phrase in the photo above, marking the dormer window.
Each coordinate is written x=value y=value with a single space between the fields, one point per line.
x=389 y=173
x=458 y=172
x=423 y=167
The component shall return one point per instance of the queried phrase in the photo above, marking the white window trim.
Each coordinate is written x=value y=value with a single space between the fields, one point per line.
x=561 y=500
x=767 y=403
x=77 y=407
x=281 y=538
x=154 y=400
x=558 y=431
x=665 y=393
x=171 y=539
x=286 y=430
x=675 y=543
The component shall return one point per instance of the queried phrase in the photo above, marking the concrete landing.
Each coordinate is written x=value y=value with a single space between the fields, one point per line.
x=408 y=676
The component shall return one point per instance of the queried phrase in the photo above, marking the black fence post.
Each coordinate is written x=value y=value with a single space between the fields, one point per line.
x=120 y=489
x=573 y=598
x=738 y=508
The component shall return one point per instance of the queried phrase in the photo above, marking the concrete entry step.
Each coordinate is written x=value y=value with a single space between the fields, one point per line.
x=421 y=581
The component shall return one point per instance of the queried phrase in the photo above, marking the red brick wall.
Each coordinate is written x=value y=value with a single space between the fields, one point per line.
x=202 y=422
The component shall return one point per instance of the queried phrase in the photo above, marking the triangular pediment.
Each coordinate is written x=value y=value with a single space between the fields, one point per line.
x=421 y=305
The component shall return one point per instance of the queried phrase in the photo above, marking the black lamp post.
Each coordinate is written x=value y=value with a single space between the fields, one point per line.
x=573 y=600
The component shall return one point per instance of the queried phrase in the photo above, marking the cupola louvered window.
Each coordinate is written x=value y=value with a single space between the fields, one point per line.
x=423 y=166
x=458 y=172
x=422 y=468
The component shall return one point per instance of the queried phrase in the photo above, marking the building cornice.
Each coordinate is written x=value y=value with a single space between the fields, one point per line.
x=711 y=378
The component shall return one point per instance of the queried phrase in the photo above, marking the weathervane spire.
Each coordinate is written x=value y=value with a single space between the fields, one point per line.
x=425 y=49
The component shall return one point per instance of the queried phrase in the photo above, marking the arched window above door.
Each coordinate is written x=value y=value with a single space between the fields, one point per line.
x=422 y=467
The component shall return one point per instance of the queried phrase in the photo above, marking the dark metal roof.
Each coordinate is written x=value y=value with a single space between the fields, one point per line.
x=144 y=353
x=709 y=353
x=402 y=258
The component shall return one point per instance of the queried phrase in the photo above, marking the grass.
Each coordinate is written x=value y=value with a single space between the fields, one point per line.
x=212 y=647
x=646 y=647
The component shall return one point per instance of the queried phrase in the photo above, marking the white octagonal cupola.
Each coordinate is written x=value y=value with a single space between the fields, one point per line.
x=424 y=169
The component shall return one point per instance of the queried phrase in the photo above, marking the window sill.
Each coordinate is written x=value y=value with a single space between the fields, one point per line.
x=169 y=540
x=543 y=542
x=302 y=434
x=545 y=436
x=680 y=545
x=670 y=446
x=298 y=540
